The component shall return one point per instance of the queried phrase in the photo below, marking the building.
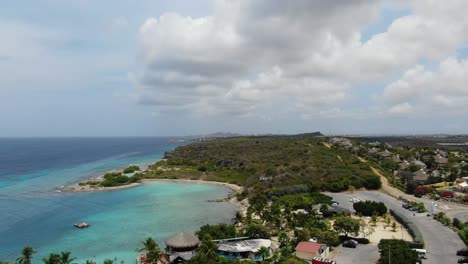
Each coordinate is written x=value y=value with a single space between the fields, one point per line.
x=309 y=250
x=420 y=176
x=242 y=248
x=181 y=247
x=440 y=159
x=386 y=154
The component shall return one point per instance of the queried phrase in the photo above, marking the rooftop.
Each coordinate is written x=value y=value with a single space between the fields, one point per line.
x=310 y=247
x=249 y=245
x=182 y=240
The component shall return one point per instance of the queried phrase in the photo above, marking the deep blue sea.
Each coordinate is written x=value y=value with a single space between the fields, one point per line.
x=33 y=213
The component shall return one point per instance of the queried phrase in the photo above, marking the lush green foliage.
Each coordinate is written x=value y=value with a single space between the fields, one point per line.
x=220 y=231
x=274 y=162
x=346 y=225
x=398 y=251
x=131 y=169
x=370 y=208
x=117 y=179
x=151 y=249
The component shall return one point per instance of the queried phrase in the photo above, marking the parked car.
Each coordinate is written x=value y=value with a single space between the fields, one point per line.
x=463 y=260
x=406 y=206
x=350 y=243
x=414 y=209
x=354 y=200
x=334 y=203
x=463 y=252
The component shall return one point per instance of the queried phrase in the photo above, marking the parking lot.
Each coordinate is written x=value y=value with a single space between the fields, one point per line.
x=362 y=254
x=441 y=242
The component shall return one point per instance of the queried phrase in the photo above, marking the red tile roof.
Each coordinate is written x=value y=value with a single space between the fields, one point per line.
x=310 y=247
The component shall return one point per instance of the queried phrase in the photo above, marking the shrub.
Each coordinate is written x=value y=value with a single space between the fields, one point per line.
x=369 y=208
x=131 y=169
x=446 y=194
x=220 y=231
x=202 y=168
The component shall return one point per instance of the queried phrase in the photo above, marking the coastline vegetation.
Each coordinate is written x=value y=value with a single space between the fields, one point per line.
x=274 y=164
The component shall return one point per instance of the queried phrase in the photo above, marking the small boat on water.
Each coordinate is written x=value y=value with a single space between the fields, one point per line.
x=82 y=225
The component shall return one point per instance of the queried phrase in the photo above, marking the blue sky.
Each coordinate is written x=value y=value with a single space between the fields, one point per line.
x=153 y=68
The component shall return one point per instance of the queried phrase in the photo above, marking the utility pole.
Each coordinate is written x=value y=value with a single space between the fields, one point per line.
x=389 y=255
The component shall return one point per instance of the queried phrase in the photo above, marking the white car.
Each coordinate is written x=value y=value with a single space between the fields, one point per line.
x=354 y=200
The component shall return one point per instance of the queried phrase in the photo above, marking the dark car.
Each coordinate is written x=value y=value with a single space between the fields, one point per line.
x=406 y=206
x=463 y=252
x=463 y=260
x=350 y=243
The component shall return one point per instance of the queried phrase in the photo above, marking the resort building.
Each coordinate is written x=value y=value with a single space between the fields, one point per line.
x=309 y=250
x=242 y=248
x=181 y=247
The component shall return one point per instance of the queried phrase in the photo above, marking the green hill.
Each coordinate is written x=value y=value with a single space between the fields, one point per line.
x=268 y=162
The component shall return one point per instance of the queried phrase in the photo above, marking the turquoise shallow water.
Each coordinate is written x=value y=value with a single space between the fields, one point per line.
x=120 y=219
x=32 y=213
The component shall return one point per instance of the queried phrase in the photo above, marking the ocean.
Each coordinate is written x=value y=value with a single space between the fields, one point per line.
x=33 y=213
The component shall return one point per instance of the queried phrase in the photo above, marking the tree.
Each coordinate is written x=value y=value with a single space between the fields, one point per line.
x=108 y=261
x=374 y=220
x=26 y=257
x=283 y=238
x=387 y=222
x=65 y=257
x=237 y=218
x=398 y=251
x=153 y=253
x=257 y=231
x=346 y=225
x=219 y=231
x=324 y=209
x=263 y=252
x=369 y=208
x=302 y=235
x=208 y=249
x=394 y=226
x=52 y=259
x=276 y=257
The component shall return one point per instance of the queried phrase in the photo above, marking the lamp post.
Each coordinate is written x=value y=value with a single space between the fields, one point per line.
x=389 y=255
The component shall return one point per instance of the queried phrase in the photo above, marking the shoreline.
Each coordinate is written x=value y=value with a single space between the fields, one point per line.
x=236 y=189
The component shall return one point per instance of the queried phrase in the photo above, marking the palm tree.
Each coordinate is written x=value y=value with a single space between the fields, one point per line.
x=108 y=261
x=208 y=249
x=263 y=252
x=65 y=257
x=26 y=257
x=153 y=253
x=238 y=218
x=148 y=244
x=52 y=259
x=88 y=261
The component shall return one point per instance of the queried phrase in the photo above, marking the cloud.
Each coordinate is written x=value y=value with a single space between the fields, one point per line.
x=305 y=56
x=440 y=90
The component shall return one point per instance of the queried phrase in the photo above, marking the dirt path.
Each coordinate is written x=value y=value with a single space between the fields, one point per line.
x=386 y=187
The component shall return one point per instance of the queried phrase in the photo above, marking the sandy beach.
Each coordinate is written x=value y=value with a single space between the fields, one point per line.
x=76 y=187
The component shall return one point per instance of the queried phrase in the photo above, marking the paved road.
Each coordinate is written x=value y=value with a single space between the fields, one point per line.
x=441 y=242
x=362 y=254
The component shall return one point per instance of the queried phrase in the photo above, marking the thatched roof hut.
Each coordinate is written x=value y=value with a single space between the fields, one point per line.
x=182 y=241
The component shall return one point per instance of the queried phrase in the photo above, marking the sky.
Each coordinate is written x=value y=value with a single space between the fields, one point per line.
x=173 y=67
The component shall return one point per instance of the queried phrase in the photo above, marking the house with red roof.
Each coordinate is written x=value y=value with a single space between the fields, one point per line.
x=309 y=250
